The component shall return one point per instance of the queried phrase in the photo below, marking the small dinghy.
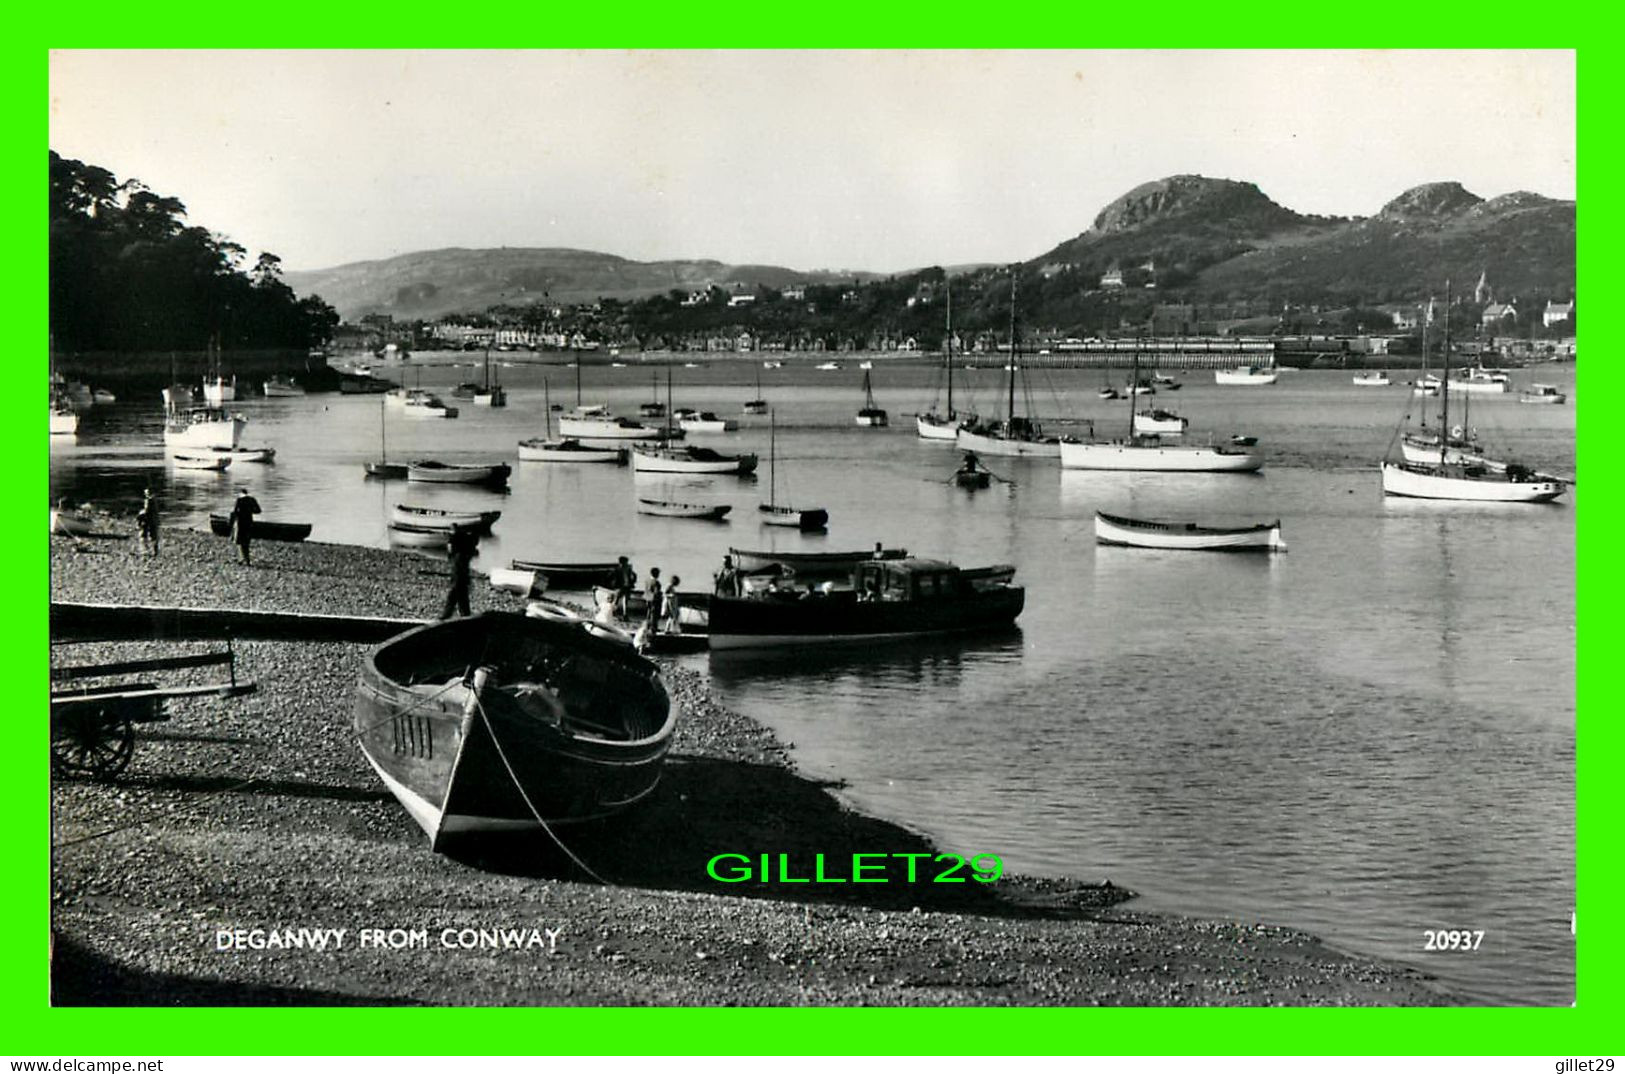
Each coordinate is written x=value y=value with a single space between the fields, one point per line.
x=220 y=526
x=504 y=722
x=436 y=518
x=1147 y=533
x=447 y=473
x=671 y=509
x=415 y=536
x=199 y=460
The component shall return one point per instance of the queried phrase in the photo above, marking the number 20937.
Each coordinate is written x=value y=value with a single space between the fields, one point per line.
x=1452 y=939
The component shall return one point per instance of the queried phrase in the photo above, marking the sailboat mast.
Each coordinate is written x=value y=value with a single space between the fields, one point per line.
x=577 y=363
x=1444 y=389
x=1133 y=387
x=949 y=287
x=547 y=412
x=1010 y=415
x=1423 y=379
x=383 y=436
x=772 y=457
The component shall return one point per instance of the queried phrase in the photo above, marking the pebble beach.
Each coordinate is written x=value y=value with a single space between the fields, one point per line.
x=259 y=816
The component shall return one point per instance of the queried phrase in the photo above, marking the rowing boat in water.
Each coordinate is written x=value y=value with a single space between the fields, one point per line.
x=505 y=722
x=447 y=473
x=437 y=518
x=1148 y=533
x=220 y=526
x=671 y=509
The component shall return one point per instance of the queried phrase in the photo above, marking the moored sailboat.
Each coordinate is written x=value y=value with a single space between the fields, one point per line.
x=870 y=414
x=564 y=449
x=944 y=426
x=1014 y=436
x=774 y=513
x=1455 y=478
x=1142 y=452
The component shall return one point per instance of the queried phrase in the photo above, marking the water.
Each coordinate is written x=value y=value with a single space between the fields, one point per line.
x=1369 y=737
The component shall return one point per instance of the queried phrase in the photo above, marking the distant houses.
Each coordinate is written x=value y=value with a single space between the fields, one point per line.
x=1557 y=313
x=1499 y=315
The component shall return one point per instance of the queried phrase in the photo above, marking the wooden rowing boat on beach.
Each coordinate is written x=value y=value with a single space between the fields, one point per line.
x=220 y=526
x=415 y=536
x=505 y=722
x=1147 y=533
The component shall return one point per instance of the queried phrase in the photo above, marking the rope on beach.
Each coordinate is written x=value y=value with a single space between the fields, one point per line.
x=503 y=757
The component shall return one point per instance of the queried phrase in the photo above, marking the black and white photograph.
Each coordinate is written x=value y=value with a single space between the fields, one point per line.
x=812 y=528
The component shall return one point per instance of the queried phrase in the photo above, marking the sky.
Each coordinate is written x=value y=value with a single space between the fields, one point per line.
x=883 y=161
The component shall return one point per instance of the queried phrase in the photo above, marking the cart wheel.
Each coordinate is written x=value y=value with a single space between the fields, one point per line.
x=91 y=740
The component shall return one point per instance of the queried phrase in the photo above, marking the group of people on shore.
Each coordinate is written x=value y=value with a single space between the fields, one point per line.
x=661 y=601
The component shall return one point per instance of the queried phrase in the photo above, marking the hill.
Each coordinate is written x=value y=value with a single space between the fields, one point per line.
x=431 y=283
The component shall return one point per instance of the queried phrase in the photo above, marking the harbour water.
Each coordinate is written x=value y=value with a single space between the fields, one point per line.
x=1368 y=738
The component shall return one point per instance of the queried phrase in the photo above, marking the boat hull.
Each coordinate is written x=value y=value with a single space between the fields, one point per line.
x=688 y=461
x=1171 y=458
x=570 y=451
x=1372 y=382
x=386 y=469
x=815 y=518
x=274 y=390
x=204 y=434
x=931 y=427
x=462 y=767
x=186 y=461
x=571 y=576
x=220 y=526
x=988 y=444
x=450 y=474
x=64 y=423
x=607 y=429
x=750 y=623
x=1432 y=483
x=434 y=518
x=1243 y=376
x=1186 y=536
x=668 y=509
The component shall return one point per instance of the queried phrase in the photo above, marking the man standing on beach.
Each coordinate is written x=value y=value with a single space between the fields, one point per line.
x=242 y=521
x=726 y=583
x=147 y=521
x=463 y=547
x=626 y=580
x=653 y=594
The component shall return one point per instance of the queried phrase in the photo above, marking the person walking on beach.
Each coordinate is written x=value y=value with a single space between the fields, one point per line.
x=242 y=522
x=626 y=580
x=460 y=549
x=146 y=521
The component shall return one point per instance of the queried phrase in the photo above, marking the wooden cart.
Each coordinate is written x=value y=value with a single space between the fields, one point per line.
x=93 y=727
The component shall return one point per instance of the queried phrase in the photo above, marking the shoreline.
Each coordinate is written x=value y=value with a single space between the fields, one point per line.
x=261 y=813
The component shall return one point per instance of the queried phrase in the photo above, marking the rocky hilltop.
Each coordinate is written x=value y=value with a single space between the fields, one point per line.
x=1180 y=238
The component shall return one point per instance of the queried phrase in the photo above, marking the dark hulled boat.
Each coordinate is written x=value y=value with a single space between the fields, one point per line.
x=886 y=599
x=571 y=576
x=220 y=525
x=501 y=722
